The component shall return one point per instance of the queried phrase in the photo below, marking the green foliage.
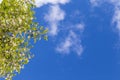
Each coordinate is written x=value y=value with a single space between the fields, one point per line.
x=16 y=30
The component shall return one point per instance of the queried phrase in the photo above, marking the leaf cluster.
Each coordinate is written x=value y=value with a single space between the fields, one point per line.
x=17 y=27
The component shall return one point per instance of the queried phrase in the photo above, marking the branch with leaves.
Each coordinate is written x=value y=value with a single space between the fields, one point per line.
x=17 y=28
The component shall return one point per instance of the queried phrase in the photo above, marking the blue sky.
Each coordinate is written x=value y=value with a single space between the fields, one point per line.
x=84 y=38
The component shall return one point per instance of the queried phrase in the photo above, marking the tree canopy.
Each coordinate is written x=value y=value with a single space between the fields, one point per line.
x=17 y=28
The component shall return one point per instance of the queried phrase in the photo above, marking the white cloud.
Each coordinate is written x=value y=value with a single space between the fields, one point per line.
x=72 y=42
x=55 y=13
x=54 y=16
x=40 y=3
x=80 y=27
x=65 y=46
x=116 y=16
x=116 y=4
x=1 y=1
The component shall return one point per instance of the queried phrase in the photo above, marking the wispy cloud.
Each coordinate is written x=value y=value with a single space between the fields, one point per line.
x=116 y=16
x=80 y=27
x=72 y=42
x=53 y=17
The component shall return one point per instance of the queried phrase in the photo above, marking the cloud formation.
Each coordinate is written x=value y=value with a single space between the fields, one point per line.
x=53 y=17
x=116 y=16
x=72 y=42
x=80 y=27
